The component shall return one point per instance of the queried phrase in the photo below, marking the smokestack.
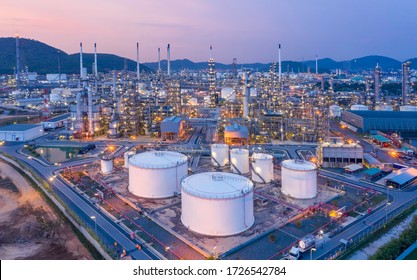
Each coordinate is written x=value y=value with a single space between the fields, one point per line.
x=81 y=65
x=95 y=61
x=17 y=62
x=317 y=65
x=159 y=59
x=169 y=60
x=246 y=95
x=137 y=62
x=90 y=111
x=279 y=63
x=211 y=51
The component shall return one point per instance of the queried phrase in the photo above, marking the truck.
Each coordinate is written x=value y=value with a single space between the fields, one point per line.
x=303 y=245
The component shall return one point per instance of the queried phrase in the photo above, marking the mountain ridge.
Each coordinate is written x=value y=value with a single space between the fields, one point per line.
x=43 y=58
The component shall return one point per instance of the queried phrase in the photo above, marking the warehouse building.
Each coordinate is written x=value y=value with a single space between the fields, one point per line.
x=172 y=128
x=236 y=134
x=20 y=132
x=365 y=121
x=55 y=122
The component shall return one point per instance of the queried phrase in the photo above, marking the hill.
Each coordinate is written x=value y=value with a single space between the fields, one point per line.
x=43 y=59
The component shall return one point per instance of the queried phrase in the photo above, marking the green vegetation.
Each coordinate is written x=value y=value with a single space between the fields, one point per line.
x=396 y=246
x=412 y=255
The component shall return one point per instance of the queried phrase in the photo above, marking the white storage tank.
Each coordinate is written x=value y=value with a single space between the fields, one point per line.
x=126 y=156
x=217 y=203
x=335 y=111
x=383 y=108
x=299 y=179
x=262 y=168
x=239 y=161
x=408 y=108
x=359 y=107
x=157 y=174
x=219 y=154
x=106 y=164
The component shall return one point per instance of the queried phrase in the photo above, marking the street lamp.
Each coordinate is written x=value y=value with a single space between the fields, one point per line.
x=95 y=224
x=311 y=253
x=386 y=206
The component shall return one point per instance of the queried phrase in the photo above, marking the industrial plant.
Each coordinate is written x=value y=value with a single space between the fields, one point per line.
x=237 y=163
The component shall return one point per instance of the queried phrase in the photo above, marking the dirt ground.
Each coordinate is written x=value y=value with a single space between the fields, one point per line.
x=29 y=228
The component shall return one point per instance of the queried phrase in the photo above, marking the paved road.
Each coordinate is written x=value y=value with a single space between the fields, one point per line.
x=80 y=205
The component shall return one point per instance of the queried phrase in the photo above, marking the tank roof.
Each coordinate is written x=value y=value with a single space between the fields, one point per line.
x=216 y=185
x=302 y=165
x=157 y=159
x=239 y=151
x=262 y=156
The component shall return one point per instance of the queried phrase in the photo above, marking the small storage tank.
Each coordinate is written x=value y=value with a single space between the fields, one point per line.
x=157 y=174
x=126 y=156
x=262 y=168
x=383 y=108
x=299 y=179
x=335 y=111
x=106 y=164
x=217 y=203
x=219 y=154
x=239 y=161
x=359 y=107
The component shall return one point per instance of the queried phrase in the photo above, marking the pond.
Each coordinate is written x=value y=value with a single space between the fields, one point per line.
x=57 y=154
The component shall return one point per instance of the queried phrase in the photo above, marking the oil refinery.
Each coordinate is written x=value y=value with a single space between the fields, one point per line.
x=237 y=163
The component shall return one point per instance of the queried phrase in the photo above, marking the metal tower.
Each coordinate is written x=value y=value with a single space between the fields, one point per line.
x=377 y=79
x=406 y=82
x=212 y=80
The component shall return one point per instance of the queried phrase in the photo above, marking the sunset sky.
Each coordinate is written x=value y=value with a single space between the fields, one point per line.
x=246 y=29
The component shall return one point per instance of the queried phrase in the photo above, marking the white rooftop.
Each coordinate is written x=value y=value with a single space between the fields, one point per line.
x=298 y=165
x=262 y=156
x=157 y=159
x=219 y=185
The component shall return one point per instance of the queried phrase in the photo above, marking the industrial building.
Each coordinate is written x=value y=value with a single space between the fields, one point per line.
x=401 y=178
x=20 y=132
x=217 y=203
x=172 y=128
x=236 y=134
x=398 y=121
x=56 y=122
x=339 y=155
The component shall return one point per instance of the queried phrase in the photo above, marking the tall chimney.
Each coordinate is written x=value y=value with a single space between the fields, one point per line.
x=81 y=65
x=279 y=63
x=159 y=59
x=169 y=60
x=17 y=62
x=137 y=62
x=317 y=65
x=95 y=61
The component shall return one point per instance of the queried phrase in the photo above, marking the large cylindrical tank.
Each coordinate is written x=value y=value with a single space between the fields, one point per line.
x=239 y=159
x=106 y=164
x=217 y=203
x=335 y=111
x=126 y=156
x=383 y=108
x=299 y=179
x=157 y=174
x=219 y=154
x=262 y=168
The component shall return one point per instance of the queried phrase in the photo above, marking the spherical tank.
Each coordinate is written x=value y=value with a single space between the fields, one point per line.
x=219 y=154
x=127 y=155
x=157 y=174
x=299 y=179
x=217 y=203
x=106 y=164
x=239 y=159
x=262 y=168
